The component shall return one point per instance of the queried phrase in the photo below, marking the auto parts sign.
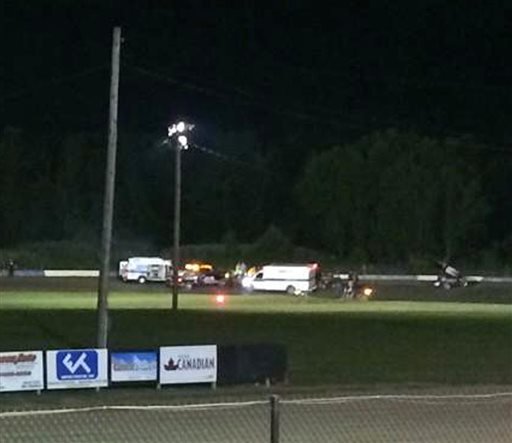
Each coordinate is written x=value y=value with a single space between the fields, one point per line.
x=21 y=371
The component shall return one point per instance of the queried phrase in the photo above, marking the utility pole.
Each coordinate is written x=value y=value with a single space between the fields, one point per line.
x=108 y=204
x=178 y=140
x=177 y=217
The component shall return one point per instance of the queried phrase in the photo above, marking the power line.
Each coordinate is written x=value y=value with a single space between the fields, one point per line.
x=258 y=167
x=52 y=81
x=243 y=97
x=331 y=117
x=230 y=159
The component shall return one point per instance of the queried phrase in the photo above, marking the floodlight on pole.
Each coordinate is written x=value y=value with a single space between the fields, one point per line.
x=180 y=142
x=181 y=126
x=183 y=141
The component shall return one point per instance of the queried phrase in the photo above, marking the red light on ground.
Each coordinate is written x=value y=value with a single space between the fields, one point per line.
x=220 y=299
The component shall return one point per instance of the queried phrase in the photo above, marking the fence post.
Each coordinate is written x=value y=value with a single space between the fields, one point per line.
x=274 y=419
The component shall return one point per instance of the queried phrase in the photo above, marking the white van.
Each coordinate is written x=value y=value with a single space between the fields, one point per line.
x=290 y=278
x=143 y=269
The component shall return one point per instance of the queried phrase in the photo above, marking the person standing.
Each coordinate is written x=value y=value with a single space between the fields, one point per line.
x=11 y=266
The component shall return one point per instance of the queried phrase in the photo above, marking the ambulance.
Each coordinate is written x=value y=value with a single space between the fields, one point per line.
x=290 y=278
x=145 y=269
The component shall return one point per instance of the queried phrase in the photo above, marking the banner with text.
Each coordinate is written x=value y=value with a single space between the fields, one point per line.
x=76 y=368
x=133 y=366
x=21 y=371
x=188 y=364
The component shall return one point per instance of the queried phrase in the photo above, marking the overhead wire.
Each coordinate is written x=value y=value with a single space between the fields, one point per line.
x=249 y=100
x=52 y=81
x=224 y=157
x=235 y=93
x=242 y=97
x=230 y=159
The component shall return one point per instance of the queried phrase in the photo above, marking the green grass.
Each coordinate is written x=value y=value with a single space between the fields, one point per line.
x=328 y=341
x=247 y=303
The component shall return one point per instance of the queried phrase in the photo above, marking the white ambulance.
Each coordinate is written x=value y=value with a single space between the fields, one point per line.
x=143 y=269
x=291 y=278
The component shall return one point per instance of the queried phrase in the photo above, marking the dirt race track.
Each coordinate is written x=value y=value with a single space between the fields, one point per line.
x=421 y=291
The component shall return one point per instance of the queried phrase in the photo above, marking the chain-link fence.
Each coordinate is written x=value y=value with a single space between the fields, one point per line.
x=478 y=418
x=399 y=418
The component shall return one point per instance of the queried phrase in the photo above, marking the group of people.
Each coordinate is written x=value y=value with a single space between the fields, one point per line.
x=344 y=288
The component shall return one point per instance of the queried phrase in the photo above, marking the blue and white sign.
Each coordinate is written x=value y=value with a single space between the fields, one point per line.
x=133 y=366
x=77 y=365
x=76 y=368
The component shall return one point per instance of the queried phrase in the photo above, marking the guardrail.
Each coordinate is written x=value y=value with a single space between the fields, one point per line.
x=71 y=273
x=424 y=278
x=63 y=273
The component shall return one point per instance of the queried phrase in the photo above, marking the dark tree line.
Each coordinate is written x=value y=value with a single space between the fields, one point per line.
x=387 y=197
x=398 y=196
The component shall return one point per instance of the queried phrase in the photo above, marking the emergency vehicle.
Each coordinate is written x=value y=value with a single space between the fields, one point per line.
x=291 y=278
x=145 y=269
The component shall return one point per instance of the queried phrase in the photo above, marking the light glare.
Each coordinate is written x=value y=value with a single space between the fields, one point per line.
x=368 y=291
x=220 y=299
x=182 y=139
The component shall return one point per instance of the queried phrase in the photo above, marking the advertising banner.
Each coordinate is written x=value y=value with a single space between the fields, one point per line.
x=188 y=364
x=76 y=368
x=21 y=371
x=133 y=366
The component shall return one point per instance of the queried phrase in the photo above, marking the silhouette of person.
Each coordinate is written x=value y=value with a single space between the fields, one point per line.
x=11 y=266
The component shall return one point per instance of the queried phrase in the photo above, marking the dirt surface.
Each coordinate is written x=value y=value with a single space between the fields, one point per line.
x=420 y=291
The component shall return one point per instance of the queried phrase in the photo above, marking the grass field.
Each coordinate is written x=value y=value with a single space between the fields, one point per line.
x=459 y=343
x=328 y=341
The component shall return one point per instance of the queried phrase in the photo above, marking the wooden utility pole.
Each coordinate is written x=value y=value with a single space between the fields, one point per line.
x=108 y=204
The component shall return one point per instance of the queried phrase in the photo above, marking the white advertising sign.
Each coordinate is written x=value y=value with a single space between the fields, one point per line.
x=21 y=371
x=76 y=368
x=188 y=364
x=133 y=366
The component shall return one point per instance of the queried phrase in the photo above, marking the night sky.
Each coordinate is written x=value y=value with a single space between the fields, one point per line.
x=335 y=69
x=269 y=85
